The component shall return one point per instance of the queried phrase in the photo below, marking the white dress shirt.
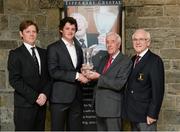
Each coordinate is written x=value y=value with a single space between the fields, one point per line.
x=142 y=54
x=72 y=51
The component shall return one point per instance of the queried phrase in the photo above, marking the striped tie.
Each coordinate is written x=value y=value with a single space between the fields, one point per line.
x=35 y=58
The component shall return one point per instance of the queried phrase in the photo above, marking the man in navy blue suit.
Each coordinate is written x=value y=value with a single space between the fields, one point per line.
x=145 y=89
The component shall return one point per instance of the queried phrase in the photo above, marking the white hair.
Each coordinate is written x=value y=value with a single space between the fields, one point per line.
x=147 y=34
x=118 y=38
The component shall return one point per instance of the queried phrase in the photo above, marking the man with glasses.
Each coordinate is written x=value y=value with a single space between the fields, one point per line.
x=145 y=89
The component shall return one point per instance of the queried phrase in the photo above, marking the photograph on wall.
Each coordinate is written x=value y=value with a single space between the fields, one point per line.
x=95 y=19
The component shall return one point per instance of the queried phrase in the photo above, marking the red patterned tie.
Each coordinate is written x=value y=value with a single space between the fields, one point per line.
x=107 y=64
x=137 y=60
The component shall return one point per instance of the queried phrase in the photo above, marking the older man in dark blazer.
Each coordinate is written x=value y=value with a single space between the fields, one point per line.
x=65 y=59
x=111 y=77
x=28 y=75
x=145 y=89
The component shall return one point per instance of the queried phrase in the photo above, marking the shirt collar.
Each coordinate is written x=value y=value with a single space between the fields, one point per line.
x=66 y=42
x=115 y=55
x=28 y=46
x=143 y=53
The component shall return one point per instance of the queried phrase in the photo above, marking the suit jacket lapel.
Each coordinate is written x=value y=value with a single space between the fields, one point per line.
x=28 y=56
x=76 y=44
x=114 y=63
x=63 y=48
x=102 y=64
x=26 y=53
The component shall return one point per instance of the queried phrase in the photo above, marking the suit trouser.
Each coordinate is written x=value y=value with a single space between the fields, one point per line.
x=143 y=126
x=109 y=124
x=29 y=118
x=69 y=115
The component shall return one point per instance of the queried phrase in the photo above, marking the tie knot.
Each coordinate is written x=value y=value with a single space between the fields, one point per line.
x=137 y=59
x=81 y=40
x=110 y=59
x=137 y=56
x=33 y=48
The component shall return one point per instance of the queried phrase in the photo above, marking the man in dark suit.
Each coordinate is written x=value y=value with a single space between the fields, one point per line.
x=111 y=77
x=28 y=75
x=65 y=59
x=145 y=89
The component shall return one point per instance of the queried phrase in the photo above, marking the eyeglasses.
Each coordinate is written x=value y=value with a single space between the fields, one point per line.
x=140 y=40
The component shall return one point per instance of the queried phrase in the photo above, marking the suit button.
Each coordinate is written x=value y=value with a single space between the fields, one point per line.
x=132 y=91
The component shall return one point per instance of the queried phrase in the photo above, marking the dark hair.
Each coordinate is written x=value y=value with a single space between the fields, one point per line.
x=65 y=20
x=25 y=24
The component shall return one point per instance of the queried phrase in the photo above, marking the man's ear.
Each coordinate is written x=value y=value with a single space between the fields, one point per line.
x=119 y=45
x=21 y=34
x=149 y=42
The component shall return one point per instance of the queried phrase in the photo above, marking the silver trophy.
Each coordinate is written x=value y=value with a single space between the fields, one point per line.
x=104 y=17
x=88 y=53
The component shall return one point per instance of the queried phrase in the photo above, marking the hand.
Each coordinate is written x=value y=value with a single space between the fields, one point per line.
x=41 y=100
x=82 y=78
x=92 y=75
x=150 y=120
x=86 y=68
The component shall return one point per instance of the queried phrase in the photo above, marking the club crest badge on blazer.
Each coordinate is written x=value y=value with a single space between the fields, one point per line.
x=141 y=77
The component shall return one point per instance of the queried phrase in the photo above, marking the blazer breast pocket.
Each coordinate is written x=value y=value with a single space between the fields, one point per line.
x=141 y=78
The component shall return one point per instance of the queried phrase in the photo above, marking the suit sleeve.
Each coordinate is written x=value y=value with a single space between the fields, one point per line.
x=47 y=87
x=46 y=80
x=16 y=79
x=157 y=84
x=116 y=83
x=55 y=71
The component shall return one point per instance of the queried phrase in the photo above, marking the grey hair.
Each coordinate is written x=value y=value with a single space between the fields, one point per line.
x=147 y=34
x=118 y=38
